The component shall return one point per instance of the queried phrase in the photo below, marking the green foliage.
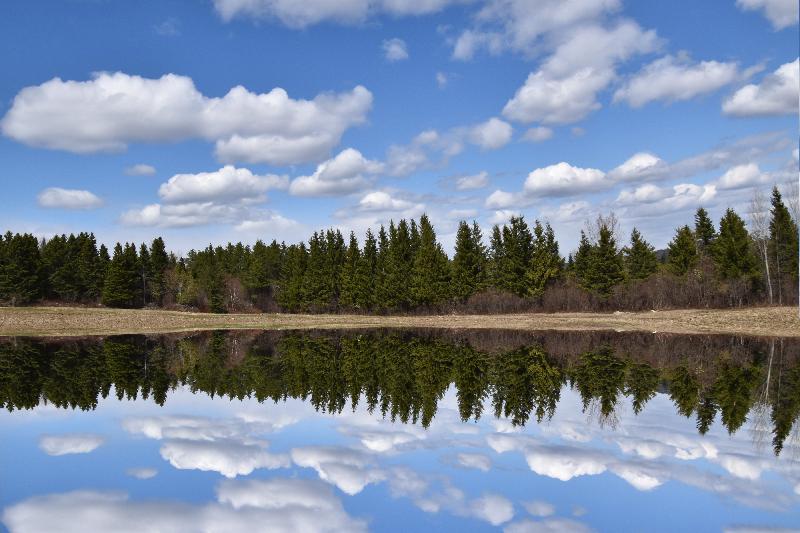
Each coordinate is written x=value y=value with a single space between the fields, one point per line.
x=605 y=269
x=19 y=269
x=122 y=284
x=783 y=240
x=640 y=257
x=704 y=229
x=430 y=274
x=546 y=264
x=469 y=266
x=511 y=254
x=683 y=254
x=733 y=250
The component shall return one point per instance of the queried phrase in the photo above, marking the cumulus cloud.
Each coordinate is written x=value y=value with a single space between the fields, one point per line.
x=492 y=508
x=474 y=181
x=490 y=135
x=563 y=179
x=395 y=49
x=777 y=94
x=382 y=201
x=502 y=199
x=741 y=176
x=58 y=198
x=70 y=443
x=347 y=469
x=640 y=166
x=538 y=134
x=474 y=460
x=224 y=185
x=519 y=25
x=564 y=90
x=675 y=78
x=441 y=80
x=299 y=15
x=348 y=172
x=111 y=110
x=230 y=458
x=781 y=13
x=539 y=508
x=140 y=169
x=281 y=505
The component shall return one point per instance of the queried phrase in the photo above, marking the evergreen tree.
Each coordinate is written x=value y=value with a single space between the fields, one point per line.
x=704 y=230
x=317 y=289
x=640 y=257
x=290 y=296
x=20 y=281
x=121 y=285
x=582 y=259
x=430 y=274
x=159 y=262
x=349 y=282
x=469 y=262
x=515 y=250
x=783 y=242
x=605 y=268
x=382 y=289
x=733 y=249
x=366 y=278
x=546 y=263
x=144 y=274
x=399 y=263
x=683 y=254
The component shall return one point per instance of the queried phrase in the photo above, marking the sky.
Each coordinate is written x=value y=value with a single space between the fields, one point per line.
x=236 y=120
x=211 y=464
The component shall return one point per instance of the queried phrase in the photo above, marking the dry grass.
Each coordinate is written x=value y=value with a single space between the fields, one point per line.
x=67 y=321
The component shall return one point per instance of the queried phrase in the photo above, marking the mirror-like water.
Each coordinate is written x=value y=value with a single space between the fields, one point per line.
x=400 y=431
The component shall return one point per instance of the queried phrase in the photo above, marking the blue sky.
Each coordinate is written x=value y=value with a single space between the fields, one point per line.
x=242 y=119
x=212 y=464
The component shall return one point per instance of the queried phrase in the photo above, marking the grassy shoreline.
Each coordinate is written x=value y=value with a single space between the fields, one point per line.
x=73 y=321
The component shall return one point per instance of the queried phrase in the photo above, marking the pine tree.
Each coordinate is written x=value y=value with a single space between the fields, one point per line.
x=513 y=251
x=430 y=274
x=605 y=269
x=582 y=259
x=366 y=278
x=704 y=230
x=121 y=285
x=683 y=254
x=783 y=242
x=317 y=288
x=290 y=295
x=382 y=288
x=159 y=262
x=546 y=263
x=20 y=281
x=144 y=274
x=640 y=257
x=733 y=249
x=469 y=262
x=349 y=277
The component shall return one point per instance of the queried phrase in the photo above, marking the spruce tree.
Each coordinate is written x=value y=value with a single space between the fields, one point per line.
x=704 y=230
x=783 y=242
x=513 y=256
x=683 y=254
x=349 y=276
x=159 y=262
x=605 y=268
x=120 y=288
x=640 y=257
x=317 y=288
x=546 y=263
x=430 y=274
x=582 y=259
x=144 y=274
x=469 y=262
x=20 y=281
x=366 y=278
x=290 y=295
x=733 y=250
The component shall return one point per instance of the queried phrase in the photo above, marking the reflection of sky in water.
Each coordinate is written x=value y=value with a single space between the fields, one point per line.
x=202 y=464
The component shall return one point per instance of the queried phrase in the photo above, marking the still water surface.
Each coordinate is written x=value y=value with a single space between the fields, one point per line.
x=400 y=431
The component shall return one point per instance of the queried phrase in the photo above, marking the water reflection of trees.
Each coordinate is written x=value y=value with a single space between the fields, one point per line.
x=404 y=375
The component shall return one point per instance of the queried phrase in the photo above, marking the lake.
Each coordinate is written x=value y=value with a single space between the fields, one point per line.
x=400 y=431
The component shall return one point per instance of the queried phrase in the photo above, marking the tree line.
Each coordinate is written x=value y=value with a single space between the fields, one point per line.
x=403 y=268
x=403 y=377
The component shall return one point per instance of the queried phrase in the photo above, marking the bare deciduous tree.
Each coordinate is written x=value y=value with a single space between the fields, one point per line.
x=759 y=229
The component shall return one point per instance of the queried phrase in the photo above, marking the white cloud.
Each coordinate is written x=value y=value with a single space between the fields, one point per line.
x=503 y=199
x=551 y=525
x=475 y=181
x=781 y=13
x=280 y=505
x=228 y=184
x=58 y=198
x=564 y=90
x=441 y=80
x=538 y=134
x=675 y=78
x=112 y=110
x=777 y=94
x=230 y=458
x=564 y=179
x=640 y=166
x=660 y=201
x=266 y=222
x=519 y=25
x=140 y=170
x=395 y=49
x=142 y=473
x=565 y=463
x=310 y=12
x=492 y=508
x=382 y=201
x=741 y=176
x=638 y=478
x=347 y=469
x=70 y=444
x=643 y=194
x=478 y=461
x=539 y=508
x=490 y=135
x=346 y=173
